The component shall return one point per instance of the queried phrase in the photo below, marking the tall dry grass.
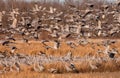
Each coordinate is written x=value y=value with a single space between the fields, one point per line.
x=35 y=47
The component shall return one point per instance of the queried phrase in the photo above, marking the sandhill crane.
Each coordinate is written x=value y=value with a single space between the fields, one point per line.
x=14 y=23
x=38 y=67
x=54 y=34
x=66 y=28
x=99 y=24
x=44 y=43
x=15 y=11
x=99 y=32
x=107 y=49
x=108 y=42
x=34 y=22
x=44 y=8
x=2 y=56
x=20 y=55
x=17 y=66
x=83 y=41
x=118 y=3
x=36 y=36
x=53 y=70
x=6 y=43
x=99 y=51
x=22 y=21
x=25 y=40
x=118 y=18
x=1 y=16
x=13 y=49
x=71 y=68
x=36 y=8
x=94 y=63
x=91 y=6
x=78 y=29
x=99 y=28
x=13 y=15
x=93 y=66
x=68 y=56
x=103 y=16
x=112 y=53
x=10 y=37
x=42 y=53
x=52 y=10
x=72 y=44
x=56 y=44
x=87 y=12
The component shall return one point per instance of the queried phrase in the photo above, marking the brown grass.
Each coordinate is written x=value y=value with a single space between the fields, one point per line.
x=69 y=75
x=35 y=47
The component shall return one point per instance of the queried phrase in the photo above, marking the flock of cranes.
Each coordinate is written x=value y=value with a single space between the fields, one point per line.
x=91 y=22
x=73 y=27
x=12 y=61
